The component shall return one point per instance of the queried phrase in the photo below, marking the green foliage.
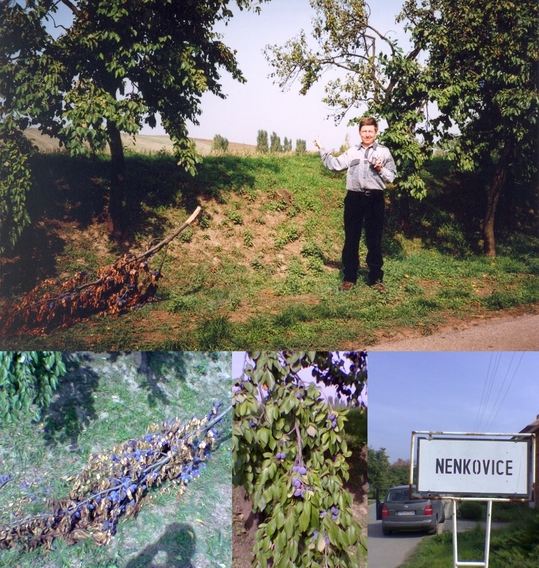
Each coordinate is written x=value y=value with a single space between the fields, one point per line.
x=248 y=238
x=287 y=144
x=379 y=466
x=187 y=235
x=516 y=546
x=482 y=70
x=399 y=475
x=290 y=455
x=379 y=76
x=471 y=510
x=275 y=143
x=286 y=234
x=220 y=144
x=15 y=183
x=115 y=66
x=27 y=380
x=262 y=142
x=235 y=217
x=301 y=146
x=213 y=333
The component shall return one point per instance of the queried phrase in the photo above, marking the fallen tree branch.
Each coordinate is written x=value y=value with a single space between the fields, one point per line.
x=127 y=284
x=114 y=484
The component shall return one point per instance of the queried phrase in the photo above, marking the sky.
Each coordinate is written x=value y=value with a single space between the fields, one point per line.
x=448 y=391
x=261 y=105
x=239 y=360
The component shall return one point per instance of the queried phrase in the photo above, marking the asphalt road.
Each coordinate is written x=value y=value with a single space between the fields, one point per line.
x=505 y=333
x=389 y=551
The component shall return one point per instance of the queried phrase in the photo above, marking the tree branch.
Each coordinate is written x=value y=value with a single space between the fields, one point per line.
x=72 y=7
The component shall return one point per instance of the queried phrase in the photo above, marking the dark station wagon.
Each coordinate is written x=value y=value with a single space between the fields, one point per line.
x=400 y=513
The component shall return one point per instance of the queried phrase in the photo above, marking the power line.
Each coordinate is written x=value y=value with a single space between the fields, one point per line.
x=508 y=387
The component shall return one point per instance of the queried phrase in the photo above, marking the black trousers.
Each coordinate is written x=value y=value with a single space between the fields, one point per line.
x=366 y=210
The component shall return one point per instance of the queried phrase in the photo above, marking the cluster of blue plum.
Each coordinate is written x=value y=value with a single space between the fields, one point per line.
x=4 y=479
x=334 y=513
x=299 y=487
x=333 y=419
x=298 y=484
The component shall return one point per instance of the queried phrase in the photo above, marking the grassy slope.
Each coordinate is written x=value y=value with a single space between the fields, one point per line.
x=262 y=265
x=102 y=402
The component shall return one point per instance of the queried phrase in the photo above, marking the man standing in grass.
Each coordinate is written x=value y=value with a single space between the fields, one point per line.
x=370 y=166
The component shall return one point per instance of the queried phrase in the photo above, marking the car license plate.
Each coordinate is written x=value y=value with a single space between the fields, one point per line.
x=405 y=513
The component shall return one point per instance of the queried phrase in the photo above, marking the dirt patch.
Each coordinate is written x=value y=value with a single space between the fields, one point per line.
x=244 y=526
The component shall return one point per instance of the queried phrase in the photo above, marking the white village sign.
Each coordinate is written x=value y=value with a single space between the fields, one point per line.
x=475 y=467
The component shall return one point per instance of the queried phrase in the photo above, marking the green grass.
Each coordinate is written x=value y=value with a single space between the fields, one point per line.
x=260 y=271
x=101 y=402
x=516 y=546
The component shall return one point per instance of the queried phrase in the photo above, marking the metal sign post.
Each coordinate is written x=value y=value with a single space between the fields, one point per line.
x=456 y=562
x=472 y=467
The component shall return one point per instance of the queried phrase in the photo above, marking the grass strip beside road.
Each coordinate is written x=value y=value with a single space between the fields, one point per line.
x=516 y=546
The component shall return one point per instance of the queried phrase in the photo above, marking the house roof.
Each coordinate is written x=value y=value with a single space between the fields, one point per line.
x=533 y=427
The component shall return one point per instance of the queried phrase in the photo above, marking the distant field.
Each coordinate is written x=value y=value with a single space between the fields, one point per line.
x=145 y=144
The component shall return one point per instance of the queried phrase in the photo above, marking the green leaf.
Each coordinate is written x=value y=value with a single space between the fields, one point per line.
x=305 y=517
x=321 y=542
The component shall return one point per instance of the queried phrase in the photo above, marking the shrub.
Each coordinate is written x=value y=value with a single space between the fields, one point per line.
x=301 y=146
x=262 y=142
x=275 y=143
x=235 y=217
x=471 y=510
x=220 y=144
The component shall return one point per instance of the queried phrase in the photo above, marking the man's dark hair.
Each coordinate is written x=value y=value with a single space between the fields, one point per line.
x=368 y=121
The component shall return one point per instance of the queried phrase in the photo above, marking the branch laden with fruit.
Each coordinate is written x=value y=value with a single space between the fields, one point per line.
x=114 y=484
x=291 y=457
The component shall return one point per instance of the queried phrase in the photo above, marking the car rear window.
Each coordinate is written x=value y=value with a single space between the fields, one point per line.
x=398 y=495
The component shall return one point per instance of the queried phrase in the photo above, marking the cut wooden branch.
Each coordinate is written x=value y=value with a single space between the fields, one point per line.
x=159 y=246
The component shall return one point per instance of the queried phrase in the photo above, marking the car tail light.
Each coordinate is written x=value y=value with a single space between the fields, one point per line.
x=385 y=511
x=428 y=510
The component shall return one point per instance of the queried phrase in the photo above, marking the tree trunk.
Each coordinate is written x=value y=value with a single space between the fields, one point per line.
x=493 y=197
x=117 y=181
x=404 y=206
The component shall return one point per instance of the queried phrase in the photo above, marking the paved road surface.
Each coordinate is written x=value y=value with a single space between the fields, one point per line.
x=506 y=333
x=389 y=551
